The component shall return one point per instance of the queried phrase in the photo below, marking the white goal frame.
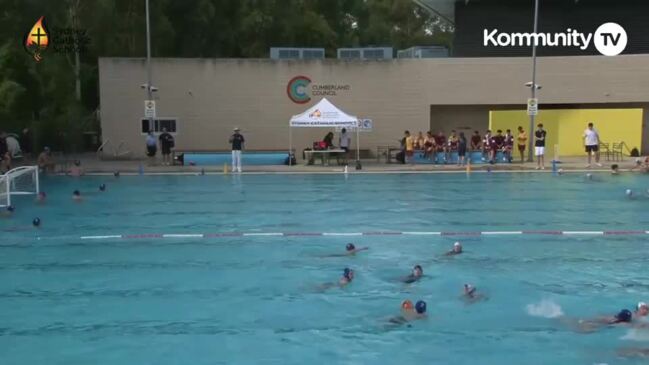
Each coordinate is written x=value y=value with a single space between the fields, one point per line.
x=8 y=181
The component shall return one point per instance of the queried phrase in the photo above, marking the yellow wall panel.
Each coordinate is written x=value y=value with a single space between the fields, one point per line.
x=565 y=127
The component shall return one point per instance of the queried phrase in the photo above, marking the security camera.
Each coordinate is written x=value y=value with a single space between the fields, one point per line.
x=529 y=84
x=154 y=89
x=143 y=86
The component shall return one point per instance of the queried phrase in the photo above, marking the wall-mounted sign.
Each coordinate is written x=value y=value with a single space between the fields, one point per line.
x=300 y=89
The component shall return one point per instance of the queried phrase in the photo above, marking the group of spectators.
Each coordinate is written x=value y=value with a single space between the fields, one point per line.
x=488 y=145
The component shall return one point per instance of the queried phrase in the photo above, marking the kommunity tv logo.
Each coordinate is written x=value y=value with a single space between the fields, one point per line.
x=610 y=39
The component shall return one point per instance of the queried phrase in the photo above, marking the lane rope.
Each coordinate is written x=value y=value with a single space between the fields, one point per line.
x=352 y=234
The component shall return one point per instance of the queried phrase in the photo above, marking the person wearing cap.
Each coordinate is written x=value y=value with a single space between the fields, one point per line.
x=166 y=144
x=44 y=160
x=641 y=310
x=350 y=250
x=408 y=314
x=415 y=275
x=346 y=278
x=237 y=141
x=471 y=294
x=623 y=317
x=457 y=249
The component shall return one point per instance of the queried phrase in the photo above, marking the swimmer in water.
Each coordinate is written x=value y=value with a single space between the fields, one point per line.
x=641 y=310
x=471 y=294
x=417 y=273
x=40 y=198
x=615 y=169
x=102 y=187
x=408 y=313
x=589 y=176
x=623 y=317
x=629 y=193
x=76 y=195
x=457 y=249
x=348 y=276
x=350 y=250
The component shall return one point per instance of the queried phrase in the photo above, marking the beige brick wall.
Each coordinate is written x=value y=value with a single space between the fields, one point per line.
x=396 y=94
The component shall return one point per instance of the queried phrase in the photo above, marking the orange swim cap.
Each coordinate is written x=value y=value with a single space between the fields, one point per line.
x=407 y=304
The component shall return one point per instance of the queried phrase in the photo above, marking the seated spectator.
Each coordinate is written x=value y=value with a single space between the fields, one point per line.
x=429 y=145
x=497 y=144
x=476 y=141
x=329 y=140
x=419 y=141
x=452 y=145
x=486 y=145
x=508 y=145
x=76 y=169
x=45 y=163
x=440 y=143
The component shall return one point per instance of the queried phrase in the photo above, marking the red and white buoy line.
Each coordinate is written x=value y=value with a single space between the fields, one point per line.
x=351 y=234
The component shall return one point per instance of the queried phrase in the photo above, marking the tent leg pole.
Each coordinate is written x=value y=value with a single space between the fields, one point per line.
x=290 y=145
x=358 y=147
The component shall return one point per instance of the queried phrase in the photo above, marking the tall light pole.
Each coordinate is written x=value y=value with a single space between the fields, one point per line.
x=148 y=62
x=530 y=157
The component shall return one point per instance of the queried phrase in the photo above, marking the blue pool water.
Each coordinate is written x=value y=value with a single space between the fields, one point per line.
x=253 y=299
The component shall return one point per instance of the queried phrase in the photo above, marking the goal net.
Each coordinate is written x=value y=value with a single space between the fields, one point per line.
x=19 y=181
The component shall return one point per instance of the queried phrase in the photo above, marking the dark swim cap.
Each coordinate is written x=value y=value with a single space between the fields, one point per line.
x=76 y=192
x=10 y=208
x=418 y=267
x=350 y=247
x=116 y=173
x=102 y=187
x=420 y=307
x=42 y=194
x=624 y=316
x=36 y=222
x=347 y=273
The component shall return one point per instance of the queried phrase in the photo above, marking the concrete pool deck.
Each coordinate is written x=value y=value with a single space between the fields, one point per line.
x=92 y=165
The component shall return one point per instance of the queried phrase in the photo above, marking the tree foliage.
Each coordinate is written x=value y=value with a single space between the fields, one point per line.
x=43 y=94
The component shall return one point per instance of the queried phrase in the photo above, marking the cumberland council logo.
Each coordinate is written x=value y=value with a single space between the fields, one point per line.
x=297 y=89
x=37 y=39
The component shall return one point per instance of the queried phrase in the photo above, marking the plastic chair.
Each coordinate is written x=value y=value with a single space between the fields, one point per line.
x=604 y=149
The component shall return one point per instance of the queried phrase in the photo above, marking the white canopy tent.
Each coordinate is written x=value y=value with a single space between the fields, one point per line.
x=324 y=115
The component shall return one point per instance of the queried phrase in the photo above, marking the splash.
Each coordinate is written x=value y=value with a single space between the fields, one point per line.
x=636 y=335
x=545 y=308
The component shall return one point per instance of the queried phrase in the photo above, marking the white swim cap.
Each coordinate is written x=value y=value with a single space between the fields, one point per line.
x=641 y=304
x=628 y=192
x=457 y=244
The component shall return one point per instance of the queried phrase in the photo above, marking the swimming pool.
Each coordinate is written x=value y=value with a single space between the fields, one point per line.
x=100 y=282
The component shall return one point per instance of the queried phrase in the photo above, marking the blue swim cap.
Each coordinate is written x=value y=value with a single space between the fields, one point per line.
x=10 y=208
x=420 y=307
x=624 y=315
x=36 y=222
x=76 y=192
x=347 y=273
x=350 y=247
x=102 y=187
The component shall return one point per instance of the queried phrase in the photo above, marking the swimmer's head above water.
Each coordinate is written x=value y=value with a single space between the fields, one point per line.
x=642 y=309
x=10 y=209
x=624 y=316
x=348 y=274
x=41 y=196
x=469 y=290
x=420 y=307
x=417 y=271
x=457 y=247
x=407 y=305
x=350 y=247
x=102 y=187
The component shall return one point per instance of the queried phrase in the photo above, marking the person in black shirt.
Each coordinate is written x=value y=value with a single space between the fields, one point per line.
x=166 y=144
x=237 y=141
x=539 y=146
x=329 y=140
x=461 y=149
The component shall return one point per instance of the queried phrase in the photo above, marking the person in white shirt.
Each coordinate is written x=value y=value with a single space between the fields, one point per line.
x=344 y=141
x=591 y=141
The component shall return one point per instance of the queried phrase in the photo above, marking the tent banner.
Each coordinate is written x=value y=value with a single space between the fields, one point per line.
x=322 y=123
x=365 y=125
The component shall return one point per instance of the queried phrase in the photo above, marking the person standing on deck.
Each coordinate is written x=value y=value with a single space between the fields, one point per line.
x=539 y=146
x=237 y=141
x=345 y=141
x=591 y=141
